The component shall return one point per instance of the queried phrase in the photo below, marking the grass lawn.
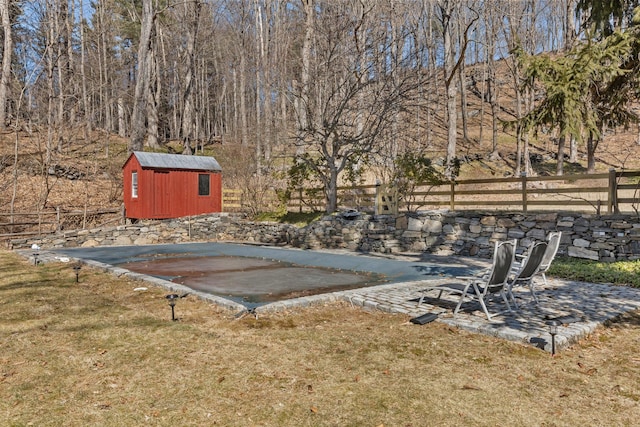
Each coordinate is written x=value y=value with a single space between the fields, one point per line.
x=99 y=353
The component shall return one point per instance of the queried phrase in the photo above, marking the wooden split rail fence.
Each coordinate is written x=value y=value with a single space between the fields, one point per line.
x=602 y=193
x=47 y=221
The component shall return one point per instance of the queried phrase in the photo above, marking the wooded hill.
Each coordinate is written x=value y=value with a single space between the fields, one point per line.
x=341 y=89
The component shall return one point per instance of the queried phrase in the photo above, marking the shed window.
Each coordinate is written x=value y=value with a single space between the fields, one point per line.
x=134 y=185
x=203 y=184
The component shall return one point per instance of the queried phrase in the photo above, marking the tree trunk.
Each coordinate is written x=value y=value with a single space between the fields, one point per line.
x=83 y=75
x=450 y=90
x=462 y=77
x=138 y=125
x=50 y=60
x=592 y=146
x=452 y=131
x=7 y=52
x=570 y=26
x=152 y=103
x=493 y=101
x=61 y=64
x=122 y=127
x=573 y=149
x=331 y=190
x=72 y=86
x=260 y=132
x=562 y=140
x=302 y=101
x=492 y=87
x=591 y=157
x=192 y=10
x=243 y=101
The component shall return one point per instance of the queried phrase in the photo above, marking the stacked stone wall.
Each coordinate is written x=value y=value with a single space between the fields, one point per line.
x=606 y=238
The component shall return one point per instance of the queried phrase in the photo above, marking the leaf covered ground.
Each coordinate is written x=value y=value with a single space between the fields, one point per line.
x=98 y=352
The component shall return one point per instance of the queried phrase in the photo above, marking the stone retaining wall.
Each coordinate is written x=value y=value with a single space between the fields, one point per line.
x=606 y=238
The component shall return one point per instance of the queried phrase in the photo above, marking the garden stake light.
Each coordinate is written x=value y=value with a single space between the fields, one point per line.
x=172 y=302
x=553 y=330
x=77 y=268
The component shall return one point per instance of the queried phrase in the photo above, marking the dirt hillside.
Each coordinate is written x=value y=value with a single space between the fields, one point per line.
x=87 y=175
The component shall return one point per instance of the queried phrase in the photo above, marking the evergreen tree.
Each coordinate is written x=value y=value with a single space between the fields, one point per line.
x=578 y=89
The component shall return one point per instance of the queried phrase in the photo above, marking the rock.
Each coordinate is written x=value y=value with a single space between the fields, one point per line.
x=122 y=241
x=578 y=252
x=90 y=244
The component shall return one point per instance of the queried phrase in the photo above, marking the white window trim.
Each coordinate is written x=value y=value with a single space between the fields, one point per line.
x=134 y=185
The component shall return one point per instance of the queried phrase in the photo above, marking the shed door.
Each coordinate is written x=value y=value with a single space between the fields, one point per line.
x=161 y=194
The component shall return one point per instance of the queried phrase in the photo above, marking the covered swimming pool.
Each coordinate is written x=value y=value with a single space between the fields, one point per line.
x=255 y=275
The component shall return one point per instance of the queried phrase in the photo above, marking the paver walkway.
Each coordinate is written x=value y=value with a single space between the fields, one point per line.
x=580 y=307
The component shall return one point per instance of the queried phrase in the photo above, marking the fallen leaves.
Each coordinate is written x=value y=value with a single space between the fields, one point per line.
x=587 y=371
x=470 y=387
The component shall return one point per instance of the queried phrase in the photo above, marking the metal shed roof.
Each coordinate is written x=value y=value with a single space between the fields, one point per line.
x=176 y=161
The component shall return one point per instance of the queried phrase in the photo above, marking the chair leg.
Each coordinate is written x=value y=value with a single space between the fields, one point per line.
x=463 y=295
x=484 y=308
x=513 y=298
x=533 y=293
x=455 y=311
x=481 y=300
x=423 y=296
x=506 y=300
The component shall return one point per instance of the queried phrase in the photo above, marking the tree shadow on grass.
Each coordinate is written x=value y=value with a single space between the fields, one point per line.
x=549 y=168
x=33 y=286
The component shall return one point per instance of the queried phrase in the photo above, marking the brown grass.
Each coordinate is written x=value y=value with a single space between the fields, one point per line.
x=99 y=353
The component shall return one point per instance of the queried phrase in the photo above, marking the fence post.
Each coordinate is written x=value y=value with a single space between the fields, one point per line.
x=612 y=202
x=523 y=182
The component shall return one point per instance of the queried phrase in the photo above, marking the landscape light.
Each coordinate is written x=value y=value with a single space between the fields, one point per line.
x=172 y=302
x=553 y=330
x=77 y=268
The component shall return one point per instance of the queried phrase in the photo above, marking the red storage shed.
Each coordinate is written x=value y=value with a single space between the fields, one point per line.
x=160 y=186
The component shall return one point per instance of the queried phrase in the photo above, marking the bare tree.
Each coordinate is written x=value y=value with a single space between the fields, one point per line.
x=143 y=75
x=519 y=32
x=492 y=18
x=341 y=127
x=192 y=19
x=454 y=55
x=88 y=125
x=7 y=55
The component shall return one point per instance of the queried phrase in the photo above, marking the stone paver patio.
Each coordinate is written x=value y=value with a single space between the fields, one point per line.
x=579 y=306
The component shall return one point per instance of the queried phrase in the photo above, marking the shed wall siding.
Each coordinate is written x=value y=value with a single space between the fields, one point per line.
x=166 y=193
